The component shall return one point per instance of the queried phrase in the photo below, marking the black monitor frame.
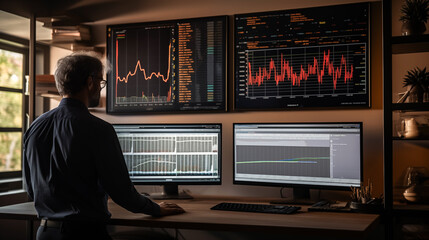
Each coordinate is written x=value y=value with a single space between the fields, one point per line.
x=170 y=187
x=176 y=108
x=301 y=190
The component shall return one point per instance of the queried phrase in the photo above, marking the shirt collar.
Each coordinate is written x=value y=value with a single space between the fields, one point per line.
x=73 y=102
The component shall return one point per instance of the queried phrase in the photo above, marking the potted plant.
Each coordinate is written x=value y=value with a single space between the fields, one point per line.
x=417 y=81
x=415 y=14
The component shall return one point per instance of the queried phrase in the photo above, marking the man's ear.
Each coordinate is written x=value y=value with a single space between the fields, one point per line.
x=90 y=83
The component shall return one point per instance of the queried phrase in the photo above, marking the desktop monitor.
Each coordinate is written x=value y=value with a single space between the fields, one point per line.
x=172 y=154
x=299 y=155
x=302 y=58
x=169 y=66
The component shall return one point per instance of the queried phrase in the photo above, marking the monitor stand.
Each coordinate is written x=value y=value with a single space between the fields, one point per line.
x=170 y=191
x=301 y=196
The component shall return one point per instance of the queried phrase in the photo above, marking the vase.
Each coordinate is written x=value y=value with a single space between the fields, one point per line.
x=426 y=96
x=416 y=94
x=415 y=179
x=426 y=93
x=416 y=193
x=413 y=28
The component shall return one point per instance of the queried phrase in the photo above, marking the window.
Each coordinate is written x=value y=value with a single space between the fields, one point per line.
x=11 y=109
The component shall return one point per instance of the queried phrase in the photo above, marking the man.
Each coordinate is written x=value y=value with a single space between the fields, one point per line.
x=73 y=160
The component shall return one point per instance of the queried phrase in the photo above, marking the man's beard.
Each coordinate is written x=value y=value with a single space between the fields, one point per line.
x=94 y=101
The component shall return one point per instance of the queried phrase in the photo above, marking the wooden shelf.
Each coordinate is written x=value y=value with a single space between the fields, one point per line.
x=45 y=87
x=410 y=107
x=399 y=212
x=411 y=209
x=410 y=39
x=409 y=139
x=410 y=44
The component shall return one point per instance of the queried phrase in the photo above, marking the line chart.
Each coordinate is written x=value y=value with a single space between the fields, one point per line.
x=143 y=74
x=310 y=57
x=139 y=67
x=303 y=71
x=283 y=160
x=170 y=154
x=287 y=72
x=291 y=160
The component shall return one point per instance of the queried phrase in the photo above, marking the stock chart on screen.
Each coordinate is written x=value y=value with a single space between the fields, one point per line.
x=313 y=57
x=167 y=66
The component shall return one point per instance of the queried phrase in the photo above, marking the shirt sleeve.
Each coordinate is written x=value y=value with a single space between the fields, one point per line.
x=114 y=177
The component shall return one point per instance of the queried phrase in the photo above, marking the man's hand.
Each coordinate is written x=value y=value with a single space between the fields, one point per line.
x=170 y=209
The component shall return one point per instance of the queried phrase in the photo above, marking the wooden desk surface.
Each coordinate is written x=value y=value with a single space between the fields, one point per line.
x=199 y=216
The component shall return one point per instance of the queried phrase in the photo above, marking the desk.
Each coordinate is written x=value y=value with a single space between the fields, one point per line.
x=199 y=216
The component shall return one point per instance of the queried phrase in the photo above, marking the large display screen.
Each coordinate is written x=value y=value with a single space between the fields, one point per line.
x=313 y=57
x=167 y=66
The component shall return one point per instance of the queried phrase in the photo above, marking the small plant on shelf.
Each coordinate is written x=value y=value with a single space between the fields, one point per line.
x=417 y=80
x=415 y=14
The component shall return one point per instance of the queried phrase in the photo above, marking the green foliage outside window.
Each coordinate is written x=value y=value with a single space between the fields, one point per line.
x=10 y=109
x=10 y=69
x=10 y=151
x=11 y=75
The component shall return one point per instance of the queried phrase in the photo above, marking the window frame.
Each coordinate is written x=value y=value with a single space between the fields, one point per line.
x=20 y=46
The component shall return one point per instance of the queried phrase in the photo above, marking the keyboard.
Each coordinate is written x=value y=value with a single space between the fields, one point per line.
x=260 y=208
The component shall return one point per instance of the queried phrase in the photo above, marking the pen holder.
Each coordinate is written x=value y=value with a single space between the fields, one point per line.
x=374 y=206
x=362 y=200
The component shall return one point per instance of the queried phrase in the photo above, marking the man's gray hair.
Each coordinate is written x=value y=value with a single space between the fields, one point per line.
x=73 y=71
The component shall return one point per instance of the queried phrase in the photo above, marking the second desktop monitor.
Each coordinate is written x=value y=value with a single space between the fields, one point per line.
x=298 y=155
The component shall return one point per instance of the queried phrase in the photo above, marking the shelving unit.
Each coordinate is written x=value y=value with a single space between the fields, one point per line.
x=410 y=44
x=410 y=106
x=402 y=219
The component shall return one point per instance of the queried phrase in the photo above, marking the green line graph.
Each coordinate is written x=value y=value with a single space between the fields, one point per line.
x=292 y=160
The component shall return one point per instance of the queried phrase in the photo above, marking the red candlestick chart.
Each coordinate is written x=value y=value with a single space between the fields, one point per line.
x=303 y=71
x=144 y=74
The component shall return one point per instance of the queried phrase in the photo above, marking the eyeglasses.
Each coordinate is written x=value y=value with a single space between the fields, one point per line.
x=103 y=83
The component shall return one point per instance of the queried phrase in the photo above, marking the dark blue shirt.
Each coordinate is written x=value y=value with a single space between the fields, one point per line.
x=72 y=161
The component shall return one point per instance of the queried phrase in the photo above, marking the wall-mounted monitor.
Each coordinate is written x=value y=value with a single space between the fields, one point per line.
x=312 y=58
x=299 y=155
x=167 y=66
x=172 y=154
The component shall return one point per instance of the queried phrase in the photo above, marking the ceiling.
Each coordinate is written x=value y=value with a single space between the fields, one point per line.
x=15 y=14
x=18 y=26
x=99 y=13
x=78 y=10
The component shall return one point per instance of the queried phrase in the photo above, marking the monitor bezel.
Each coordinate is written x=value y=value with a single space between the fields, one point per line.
x=179 y=182
x=368 y=105
x=295 y=185
x=225 y=22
